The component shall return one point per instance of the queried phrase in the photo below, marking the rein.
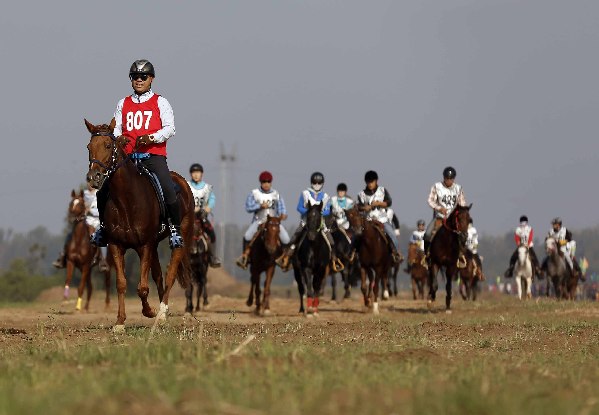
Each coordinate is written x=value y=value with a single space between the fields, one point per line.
x=114 y=166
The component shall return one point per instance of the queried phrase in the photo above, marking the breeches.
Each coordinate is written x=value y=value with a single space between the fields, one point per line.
x=391 y=234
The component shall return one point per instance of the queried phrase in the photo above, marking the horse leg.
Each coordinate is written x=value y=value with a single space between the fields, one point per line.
x=346 y=285
x=81 y=288
x=143 y=288
x=449 y=274
x=204 y=287
x=189 y=299
x=270 y=272
x=300 y=287
x=334 y=286
x=89 y=286
x=107 y=284
x=257 y=291
x=67 y=282
x=414 y=286
x=309 y=273
x=157 y=275
x=117 y=254
x=198 y=284
x=177 y=258
x=250 y=300
x=379 y=277
x=318 y=281
x=432 y=284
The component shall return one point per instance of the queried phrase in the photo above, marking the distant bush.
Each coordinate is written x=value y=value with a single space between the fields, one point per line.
x=18 y=283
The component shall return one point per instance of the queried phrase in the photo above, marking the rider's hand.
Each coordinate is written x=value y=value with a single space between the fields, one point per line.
x=207 y=209
x=122 y=140
x=196 y=209
x=443 y=211
x=264 y=205
x=144 y=140
x=283 y=216
x=367 y=208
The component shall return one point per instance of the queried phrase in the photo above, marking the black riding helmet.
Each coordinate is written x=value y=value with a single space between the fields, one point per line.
x=317 y=178
x=142 y=66
x=370 y=176
x=342 y=187
x=196 y=167
x=556 y=221
x=523 y=218
x=449 y=173
x=420 y=222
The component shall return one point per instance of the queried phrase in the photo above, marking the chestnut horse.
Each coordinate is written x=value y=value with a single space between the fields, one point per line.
x=80 y=253
x=469 y=277
x=311 y=261
x=131 y=220
x=418 y=272
x=199 y=258
x=266 y=248
x=374 y=256
x=444 y=252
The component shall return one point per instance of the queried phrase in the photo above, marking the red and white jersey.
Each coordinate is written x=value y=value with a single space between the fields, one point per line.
x=524 y=235
x=149 y=113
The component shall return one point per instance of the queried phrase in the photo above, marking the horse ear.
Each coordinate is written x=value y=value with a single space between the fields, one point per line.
x=112 y=124
x=81 y=193
x=73 y=193
x=470 y=207
x=90 y=127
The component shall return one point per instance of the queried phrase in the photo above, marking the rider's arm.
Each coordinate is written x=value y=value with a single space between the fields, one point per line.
x=568 y=236
x=168 y=121
x=387 y=201
x=326 y=211
x=530 y=235
x=517 y=238
x=211 y=200
x=432 y=199
x=301 y=206
x=461 y=198
x=281 y=208
x=251 y=205
x=118 y=118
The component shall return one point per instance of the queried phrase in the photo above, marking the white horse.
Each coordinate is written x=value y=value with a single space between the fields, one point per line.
x=523 y=272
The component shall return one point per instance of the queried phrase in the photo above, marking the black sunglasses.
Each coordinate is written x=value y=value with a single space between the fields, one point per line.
x=317 y=182
x=136 y=76
x=265 y=181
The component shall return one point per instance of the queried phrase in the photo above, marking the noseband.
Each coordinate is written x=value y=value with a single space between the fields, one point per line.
x=110 y=169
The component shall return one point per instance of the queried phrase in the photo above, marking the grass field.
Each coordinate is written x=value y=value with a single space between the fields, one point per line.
x=496 y=356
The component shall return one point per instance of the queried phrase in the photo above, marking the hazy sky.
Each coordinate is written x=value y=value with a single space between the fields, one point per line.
x=505 y=91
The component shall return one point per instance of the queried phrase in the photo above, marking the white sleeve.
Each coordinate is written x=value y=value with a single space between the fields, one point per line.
x=168 y=121
x=118 y=118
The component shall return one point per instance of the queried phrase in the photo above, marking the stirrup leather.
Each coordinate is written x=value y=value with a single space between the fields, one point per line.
x=337 y=265
x=461 y=263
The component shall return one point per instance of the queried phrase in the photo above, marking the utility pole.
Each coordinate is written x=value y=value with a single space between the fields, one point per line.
x=226 y=190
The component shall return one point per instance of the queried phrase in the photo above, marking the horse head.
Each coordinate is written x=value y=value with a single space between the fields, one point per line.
x=551 y=246
x=522 y=254
x=271 y=234
x=314 y=220
x=76 y=206
x=103 y=151
x=459 y=219
x=355 y=220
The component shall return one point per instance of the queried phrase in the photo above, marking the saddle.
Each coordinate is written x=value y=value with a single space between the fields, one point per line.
x=158 y=190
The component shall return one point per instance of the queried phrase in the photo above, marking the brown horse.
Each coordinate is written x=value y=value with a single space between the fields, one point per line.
x=199 y=259
x=469 y=277
x=418 y=272
x=80 y=253
x=266 y=248
x=374 y=256
x=444 y=252
x=131 y=220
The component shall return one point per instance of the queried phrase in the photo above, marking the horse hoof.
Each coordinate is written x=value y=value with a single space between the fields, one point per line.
x=448 y=311
x=162 y=312
x=385 y=295
x=118 y=328
x=187 y=315
x=309 y=315
x=315 y=314
x=267 y=312
x=375 y=309
x=249 y=303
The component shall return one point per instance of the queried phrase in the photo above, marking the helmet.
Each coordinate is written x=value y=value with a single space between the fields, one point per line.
x=317 y=178
x=557 y=221
x=523 y=218
x=370 y=176
x=142 y=66
x=196 y=167
x=342 y=187
x=265 y=176
x=449 y=173
x=420 y=222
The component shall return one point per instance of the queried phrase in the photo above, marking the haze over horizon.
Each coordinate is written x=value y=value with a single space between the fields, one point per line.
x=504 y=91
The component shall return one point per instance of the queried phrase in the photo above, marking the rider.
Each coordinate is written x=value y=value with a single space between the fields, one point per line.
x=312 y=195
x=339 y=204
x=91 y=219
x=567 y=245
x=146 y=121
x=417 y=238
x=375 y=200
x=472 y=246
x=523 y=235
x=261 y=203
x=204 y=202
x=443 y=199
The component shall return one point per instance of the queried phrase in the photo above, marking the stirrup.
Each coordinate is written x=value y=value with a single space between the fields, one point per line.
x=337 y=265
x=215 y=261
x=352 y=256
x=175 y=241
x=242 y=261
x=283 y=262
x=461 y=263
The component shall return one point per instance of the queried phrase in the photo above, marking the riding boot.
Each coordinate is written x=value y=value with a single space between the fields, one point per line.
x=60 y=262
x=243 y=260
x=283 y=260
x=336 y=264
x=213 y=260
x=535 y=261
x=577 y=270
x=97 y=238
x=175 y=240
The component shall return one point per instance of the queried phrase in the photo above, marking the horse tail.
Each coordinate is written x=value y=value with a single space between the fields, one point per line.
x=184 y=271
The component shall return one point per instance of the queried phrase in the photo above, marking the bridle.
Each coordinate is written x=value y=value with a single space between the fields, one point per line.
x=457 y=223
x=113 y=166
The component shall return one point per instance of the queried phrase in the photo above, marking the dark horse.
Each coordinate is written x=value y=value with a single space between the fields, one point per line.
x=131 y=220
x=80 y=253
x=564 y=283
x=343 y=249
x=199 y=257
x=374 y=256
x=469 y=277
x=417 y=270
x=444 y=252
x=266 y=248
x=311 y=261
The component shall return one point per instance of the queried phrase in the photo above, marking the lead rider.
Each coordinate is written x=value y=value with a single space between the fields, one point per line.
x=145 y=121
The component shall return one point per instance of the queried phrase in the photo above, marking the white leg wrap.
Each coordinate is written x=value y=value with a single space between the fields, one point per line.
x=162 y=313
x=375 y=308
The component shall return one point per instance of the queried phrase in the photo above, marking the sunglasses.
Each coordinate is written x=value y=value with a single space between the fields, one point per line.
x=136 y=76
x=317 y=182
x=265 y=181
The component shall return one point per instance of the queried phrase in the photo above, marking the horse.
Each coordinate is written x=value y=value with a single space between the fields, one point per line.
x=266 y=248
x=469 y=277
x=523 y=272
x=564 y=279
x=444 y=252
x=343 y=250
x=311 y=261
x=374 y=256
x=392 y=278
x=418 y=272
x=80 y=253
x=132 y=220
x=199 y=259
